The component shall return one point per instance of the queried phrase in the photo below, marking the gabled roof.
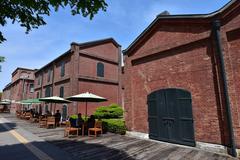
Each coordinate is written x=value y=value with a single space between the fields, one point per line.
x=7 y=86
x=216 y=14
x=59 y=57
x=20 y=68
x=96 y=42
x=85 y=44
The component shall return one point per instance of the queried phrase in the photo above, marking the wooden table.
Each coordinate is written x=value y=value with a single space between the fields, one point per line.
x=84 y=125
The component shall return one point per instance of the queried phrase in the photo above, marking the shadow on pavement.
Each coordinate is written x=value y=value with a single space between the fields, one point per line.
x=16 y=152
x=9 y=124
x=90 y=151
x=73 y=150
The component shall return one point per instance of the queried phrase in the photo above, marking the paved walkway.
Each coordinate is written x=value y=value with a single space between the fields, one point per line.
x=18 y=143
x=11 y=148
x=111 y=146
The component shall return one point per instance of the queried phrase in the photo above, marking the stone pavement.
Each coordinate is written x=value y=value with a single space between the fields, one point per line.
x=11 y=149
x=109 y=146
x=17 y=143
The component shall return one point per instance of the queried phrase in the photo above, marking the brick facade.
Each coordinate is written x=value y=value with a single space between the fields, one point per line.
x=180 y=52
x=81 y=74
x=20 y=88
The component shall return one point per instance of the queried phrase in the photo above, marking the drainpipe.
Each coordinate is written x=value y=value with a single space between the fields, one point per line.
x=217 y=37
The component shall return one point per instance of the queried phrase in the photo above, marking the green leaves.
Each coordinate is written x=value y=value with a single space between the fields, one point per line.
x=114 y=125
x=112 y=111
x=74 y=116
x=29 y=14
x=2 y=59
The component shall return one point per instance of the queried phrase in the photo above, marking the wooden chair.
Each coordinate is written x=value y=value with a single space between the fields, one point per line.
x=62 y=123
x=34 y=119
x=51 y=121
x=1 y=109
x=42 y=121
x=97 y=128
x=69 y=129
x=22 y=115
x=18 y=114
x=27 y=115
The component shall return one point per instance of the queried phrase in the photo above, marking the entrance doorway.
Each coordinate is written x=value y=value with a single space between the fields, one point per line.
x=170 y=116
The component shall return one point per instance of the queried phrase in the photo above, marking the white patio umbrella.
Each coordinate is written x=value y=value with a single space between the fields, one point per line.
x=54 y=99
x=5 y=101
x=86 y=97
x=19 y=102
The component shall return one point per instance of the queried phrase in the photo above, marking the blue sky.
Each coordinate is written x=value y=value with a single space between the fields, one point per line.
x=124 y=21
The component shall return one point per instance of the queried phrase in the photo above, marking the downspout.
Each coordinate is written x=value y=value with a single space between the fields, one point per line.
x=217 y=37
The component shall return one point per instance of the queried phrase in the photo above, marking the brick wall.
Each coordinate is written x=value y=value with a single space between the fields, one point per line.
x=21 y=72
x=173 y=54
x=81 y=75
x=191 y=69
x=88 y=67
x=231 y=46
x=108 y=91
x=57 y=68
x=107 y=50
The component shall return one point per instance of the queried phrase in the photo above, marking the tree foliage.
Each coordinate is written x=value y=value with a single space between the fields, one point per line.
x=2 y=59
x=29 y=13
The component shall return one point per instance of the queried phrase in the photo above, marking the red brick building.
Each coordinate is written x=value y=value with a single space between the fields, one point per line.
x=92 y=66
x=175 y=89
x=21 y=87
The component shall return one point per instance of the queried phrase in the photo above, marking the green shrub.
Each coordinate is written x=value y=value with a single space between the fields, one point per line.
x=74 y=116
x=106 y=112
x=114 y=126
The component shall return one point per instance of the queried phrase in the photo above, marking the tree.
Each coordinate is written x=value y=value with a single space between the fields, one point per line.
x=29 y=13
x=2 y=59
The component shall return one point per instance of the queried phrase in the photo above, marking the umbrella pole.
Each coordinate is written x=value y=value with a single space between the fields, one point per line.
x=77 y=107
x=86 y=112
x=54 y=108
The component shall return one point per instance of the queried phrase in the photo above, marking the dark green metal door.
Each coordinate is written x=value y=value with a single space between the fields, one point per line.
x=170 y=116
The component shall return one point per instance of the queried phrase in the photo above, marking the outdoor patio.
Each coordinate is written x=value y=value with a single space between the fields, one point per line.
x=112 y=146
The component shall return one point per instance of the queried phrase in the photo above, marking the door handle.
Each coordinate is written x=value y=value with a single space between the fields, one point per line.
x=168 y=121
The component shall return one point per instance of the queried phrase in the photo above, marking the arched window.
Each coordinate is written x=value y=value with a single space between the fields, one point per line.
x=61 y=92
x=38 y=95
x=40 y=80
x=64 y=112
x=48 y=91
x=62 y=68
x=49 y=75
x=100 y=69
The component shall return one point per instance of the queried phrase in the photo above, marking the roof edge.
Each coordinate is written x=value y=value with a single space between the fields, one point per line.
x=62 y=55
x=79 y=44
x=96 y=42
x=7 y=86
x=180 y=16
x=21 y=68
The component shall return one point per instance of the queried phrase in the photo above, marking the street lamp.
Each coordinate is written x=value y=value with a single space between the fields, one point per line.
x=23 y=77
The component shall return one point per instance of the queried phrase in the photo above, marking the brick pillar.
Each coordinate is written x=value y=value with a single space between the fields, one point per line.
x=74 y=76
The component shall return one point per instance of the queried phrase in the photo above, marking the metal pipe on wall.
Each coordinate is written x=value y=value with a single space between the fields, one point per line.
x=217 y=37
